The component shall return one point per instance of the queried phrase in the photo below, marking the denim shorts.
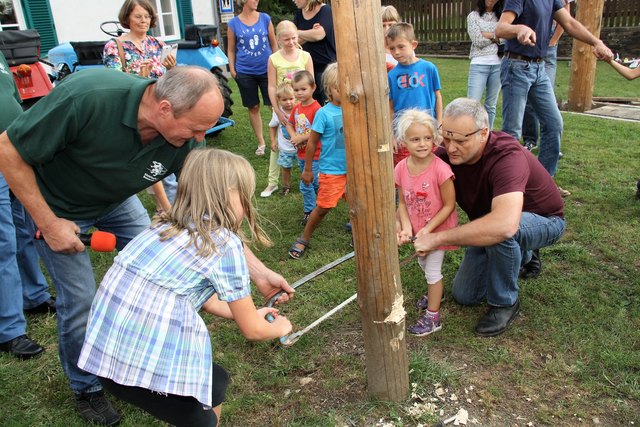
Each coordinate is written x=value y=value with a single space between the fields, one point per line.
x=286 y=160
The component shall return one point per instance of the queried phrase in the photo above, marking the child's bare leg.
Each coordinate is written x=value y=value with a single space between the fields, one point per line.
x=314 y=220
x=286 y=177
x=217 y=410
x=256 y=124
x=434 y=291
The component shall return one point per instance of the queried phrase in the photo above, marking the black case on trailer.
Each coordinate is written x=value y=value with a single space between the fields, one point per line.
x=88 y=53
x=20 y=46
x=196 y=36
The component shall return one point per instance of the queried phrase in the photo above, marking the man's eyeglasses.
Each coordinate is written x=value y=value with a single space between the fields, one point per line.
x=458 y=138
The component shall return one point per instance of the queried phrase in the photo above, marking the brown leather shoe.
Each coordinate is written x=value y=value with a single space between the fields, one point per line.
x=22 y=347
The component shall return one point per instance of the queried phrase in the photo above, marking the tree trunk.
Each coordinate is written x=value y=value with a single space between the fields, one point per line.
x=583 y=61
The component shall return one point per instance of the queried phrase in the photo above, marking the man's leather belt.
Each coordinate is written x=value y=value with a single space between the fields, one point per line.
x=512 y=55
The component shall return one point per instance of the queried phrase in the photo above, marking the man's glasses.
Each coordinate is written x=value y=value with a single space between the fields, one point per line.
x=458 y=138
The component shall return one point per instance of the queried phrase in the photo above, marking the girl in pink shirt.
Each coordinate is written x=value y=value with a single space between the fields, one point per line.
x=426 y=203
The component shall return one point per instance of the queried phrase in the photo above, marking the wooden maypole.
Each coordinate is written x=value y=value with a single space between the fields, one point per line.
x=583 y=61
x=370 y=193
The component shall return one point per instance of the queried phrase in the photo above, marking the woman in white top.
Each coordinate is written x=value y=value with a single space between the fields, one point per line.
x=484 y=72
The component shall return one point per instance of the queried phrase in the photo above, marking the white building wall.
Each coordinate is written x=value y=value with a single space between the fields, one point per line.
x=79 y=20
x=203 y=11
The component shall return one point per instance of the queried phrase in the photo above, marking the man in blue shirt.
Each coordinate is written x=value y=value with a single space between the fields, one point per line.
x=527 y=27
x=530 y=123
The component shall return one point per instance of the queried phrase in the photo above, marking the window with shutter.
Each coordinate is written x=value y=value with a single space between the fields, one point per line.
x=37 y=15
x=185 y=11
x=168 y=26
x=8 y=16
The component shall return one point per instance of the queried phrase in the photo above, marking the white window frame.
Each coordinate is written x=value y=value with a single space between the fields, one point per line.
x=158 y=31
x=17 y=7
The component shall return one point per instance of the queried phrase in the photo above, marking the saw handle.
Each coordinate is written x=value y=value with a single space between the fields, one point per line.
x=270 y=319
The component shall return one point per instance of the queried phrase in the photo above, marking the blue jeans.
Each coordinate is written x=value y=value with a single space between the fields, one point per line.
x=309 y=191
x=530 y=122
x=522 y=82
x=483 y=77
x=75 y=284
x=22 y=284
x=492 y=272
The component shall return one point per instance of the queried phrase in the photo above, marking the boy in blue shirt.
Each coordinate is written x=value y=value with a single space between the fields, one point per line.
x=327 y=125
x=414 y=82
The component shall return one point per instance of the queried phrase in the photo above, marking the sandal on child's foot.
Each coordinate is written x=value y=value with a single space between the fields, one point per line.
x=298 y=248
x=284 y=191
x=260 y=150
x=563 y=192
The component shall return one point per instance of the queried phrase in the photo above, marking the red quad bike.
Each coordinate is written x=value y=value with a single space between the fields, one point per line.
x=21 y=48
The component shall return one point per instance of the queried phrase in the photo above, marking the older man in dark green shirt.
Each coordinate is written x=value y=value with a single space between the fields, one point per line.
x=77 y=159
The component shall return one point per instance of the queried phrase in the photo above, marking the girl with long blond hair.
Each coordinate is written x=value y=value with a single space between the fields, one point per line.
x=145 y=340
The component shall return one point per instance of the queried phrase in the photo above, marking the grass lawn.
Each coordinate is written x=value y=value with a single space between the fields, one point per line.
x=571 y=358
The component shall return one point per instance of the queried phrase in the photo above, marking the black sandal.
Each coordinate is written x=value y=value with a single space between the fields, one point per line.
x=298 y=248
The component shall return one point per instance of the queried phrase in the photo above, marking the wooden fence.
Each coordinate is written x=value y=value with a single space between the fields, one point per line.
x=621 y=13
x=446 y=20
